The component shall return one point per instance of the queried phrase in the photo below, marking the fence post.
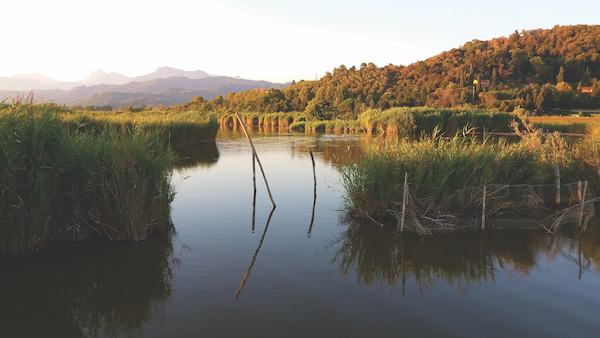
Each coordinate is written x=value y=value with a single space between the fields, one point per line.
x=557 y=175
x=483 y=208
x=579 y=197
x=582 y=203
x=404 y=202
x=254 y=171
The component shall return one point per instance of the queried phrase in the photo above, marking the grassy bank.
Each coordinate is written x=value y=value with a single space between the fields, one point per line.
x=395 y=121
x=565 y=124
x=176 y=128
x=413 y=122
x=438 y=166
x=60 y=184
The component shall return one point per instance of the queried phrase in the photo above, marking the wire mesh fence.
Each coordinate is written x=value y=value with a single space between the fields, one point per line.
x=502 y=207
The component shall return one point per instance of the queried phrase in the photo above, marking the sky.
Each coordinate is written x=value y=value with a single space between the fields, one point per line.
x=277 y=41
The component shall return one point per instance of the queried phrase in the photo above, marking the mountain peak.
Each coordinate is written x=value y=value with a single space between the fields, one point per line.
x=166 y=72
x=101 y=77
x=96 y=75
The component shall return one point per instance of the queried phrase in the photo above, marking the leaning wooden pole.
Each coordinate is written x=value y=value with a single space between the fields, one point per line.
x=557 y=179
x=582 y=203
x=483 y=208
x=404 y=202
x=256 y=155
x=254 y=171
x=313 y=163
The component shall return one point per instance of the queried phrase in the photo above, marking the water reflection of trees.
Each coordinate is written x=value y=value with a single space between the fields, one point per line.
x=93 y=290
x=332 y=148
x=377 y=257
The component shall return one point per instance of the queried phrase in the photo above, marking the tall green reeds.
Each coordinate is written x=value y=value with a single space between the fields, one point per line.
x=175 y=128
x=396 y=121
x=58 y=184
x=438 y=166
x=415 y=121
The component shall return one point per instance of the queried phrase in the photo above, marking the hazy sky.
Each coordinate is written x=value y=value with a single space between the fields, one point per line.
x=270 y=40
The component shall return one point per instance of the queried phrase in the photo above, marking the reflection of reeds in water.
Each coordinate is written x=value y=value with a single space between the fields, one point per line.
x=590 y=249
x=193 y=156
x=90 y=289
x=376 y=257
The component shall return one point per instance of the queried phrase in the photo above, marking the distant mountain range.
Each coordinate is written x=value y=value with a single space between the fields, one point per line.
x=166 y=85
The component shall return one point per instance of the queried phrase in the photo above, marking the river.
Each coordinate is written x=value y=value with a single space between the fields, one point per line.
x=237 y=267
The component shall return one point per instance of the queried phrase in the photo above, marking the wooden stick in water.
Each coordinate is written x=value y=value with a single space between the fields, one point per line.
x=404 y=202
x=313 y=163
x=257 y=159
x=582 y=203
x=557 y=178
x=312 y=219
x=483 y=208
x=254 y=171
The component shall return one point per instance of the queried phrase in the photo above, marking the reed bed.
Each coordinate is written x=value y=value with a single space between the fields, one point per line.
x=564 y=124
x=438 y=166
x=59 y=184
x=271 y=120
x=327 y=126
x=403 y=122
x=177 y=128
x=396 y=121
x=416 y=121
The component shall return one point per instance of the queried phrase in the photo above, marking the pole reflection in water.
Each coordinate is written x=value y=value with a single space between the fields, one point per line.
x=237 y=293
x=312 y=219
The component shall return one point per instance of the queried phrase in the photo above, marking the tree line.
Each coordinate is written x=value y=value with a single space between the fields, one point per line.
x=534 y=70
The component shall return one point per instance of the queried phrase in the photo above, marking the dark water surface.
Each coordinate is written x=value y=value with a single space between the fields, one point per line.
x=300 y=270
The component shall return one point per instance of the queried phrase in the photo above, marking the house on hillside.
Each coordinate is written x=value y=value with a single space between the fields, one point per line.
x=483 y=82
x=586 y=90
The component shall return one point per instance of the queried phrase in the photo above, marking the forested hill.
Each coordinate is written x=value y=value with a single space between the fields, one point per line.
x=536 y=69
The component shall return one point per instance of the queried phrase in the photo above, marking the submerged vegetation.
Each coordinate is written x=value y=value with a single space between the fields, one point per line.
x=67 y=176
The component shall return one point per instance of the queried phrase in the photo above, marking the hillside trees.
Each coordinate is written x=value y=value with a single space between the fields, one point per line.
x=535 y=69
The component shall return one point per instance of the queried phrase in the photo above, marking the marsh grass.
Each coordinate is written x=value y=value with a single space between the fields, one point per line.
x=564 y=124
x=401 y=122
x=61 y=184
x=176 y=128
x=438 y=166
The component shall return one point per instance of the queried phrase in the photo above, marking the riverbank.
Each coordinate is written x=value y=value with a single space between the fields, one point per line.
x=176 y=128
x=410 y=122
x=440 y=169
x=68 y=176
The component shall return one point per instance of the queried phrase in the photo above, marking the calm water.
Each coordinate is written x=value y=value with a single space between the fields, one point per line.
x=238 y=267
